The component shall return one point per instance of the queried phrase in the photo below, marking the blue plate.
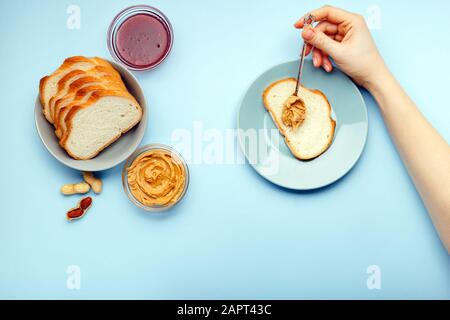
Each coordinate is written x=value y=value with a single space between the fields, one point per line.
x=265 y=149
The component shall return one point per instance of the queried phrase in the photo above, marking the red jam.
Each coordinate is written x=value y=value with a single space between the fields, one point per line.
x=143 y=40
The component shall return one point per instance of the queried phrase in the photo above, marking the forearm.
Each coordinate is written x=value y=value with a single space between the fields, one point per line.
x=425 y=153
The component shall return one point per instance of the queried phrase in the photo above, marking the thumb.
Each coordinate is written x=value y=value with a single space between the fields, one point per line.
x=320 y=40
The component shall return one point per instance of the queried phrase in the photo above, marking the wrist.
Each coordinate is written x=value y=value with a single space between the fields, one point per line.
x=380 y=79
x=382 y=85
x=385 y=89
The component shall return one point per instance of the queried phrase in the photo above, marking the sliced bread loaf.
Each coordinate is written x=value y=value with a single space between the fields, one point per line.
x=78 y=81
x=75 y=92
x=315 y=134
x=102 y=72
x=82 y=96
x=88 y=104
x=48 y=85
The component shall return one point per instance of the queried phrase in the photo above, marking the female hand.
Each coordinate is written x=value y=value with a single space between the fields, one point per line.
x=345 y=37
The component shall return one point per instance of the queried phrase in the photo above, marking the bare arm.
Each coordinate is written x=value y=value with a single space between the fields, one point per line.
x=344 y=36
x=425 y=153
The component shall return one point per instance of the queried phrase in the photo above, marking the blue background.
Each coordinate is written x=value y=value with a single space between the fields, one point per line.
x=235 y=235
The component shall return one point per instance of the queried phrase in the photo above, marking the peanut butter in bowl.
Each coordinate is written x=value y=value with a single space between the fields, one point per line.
x=155 y=177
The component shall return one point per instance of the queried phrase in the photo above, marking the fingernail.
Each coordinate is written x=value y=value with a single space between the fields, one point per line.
x=327 y=67
x=308 y=34
x=315 y=61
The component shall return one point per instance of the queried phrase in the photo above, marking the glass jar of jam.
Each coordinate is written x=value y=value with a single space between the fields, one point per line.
x=140 y=37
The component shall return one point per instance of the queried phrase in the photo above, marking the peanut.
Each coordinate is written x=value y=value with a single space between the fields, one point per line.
x=80 y=210
x=77 y=188
x=94 y=182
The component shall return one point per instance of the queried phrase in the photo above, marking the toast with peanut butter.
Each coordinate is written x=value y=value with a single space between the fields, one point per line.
x=304 y=121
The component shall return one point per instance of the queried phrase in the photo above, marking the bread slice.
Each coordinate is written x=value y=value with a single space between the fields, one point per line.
x=81 y=97
x=71 y=87
x=315 y=134
x=101 y=72
x=93 y=126
x=74 y=93
x=48 y=86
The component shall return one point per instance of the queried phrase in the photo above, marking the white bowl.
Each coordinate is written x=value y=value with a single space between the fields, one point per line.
x=112 y=155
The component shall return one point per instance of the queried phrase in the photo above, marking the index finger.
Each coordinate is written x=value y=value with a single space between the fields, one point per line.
x=328 y=13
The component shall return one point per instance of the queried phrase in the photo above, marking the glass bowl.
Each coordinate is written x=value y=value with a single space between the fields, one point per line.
x=137 y=153
x=122 y=17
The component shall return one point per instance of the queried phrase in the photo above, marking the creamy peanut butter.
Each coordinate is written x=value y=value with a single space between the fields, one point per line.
x=157 y=178
x=294 y=112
